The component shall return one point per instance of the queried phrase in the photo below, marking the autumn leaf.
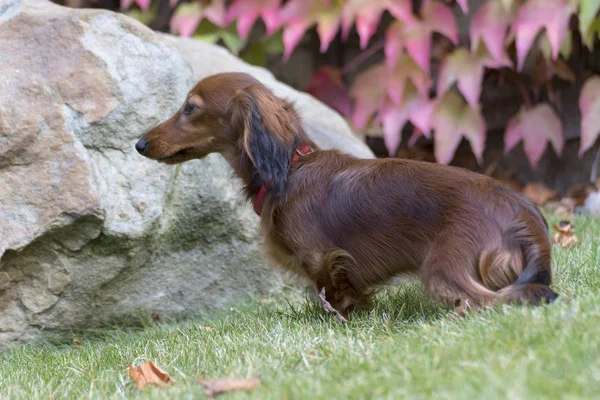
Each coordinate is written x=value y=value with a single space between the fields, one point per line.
x=415 y=35
x=229 y=384
x=367 y=14
x=406 y=70
x=149 y=374
x=489 y=24
x=246 y=12
x=588 y=9
x=537 y=14
x=299 y=15
x=368 y=91
x=464 y=5
x=416 y=108
x=565 y=234
x=535 y=127
x=467 y=68
x=544 y=69
x=326 y=85
x=589 y=104
x=539 y=193
x=453 y=119
x=188 y=16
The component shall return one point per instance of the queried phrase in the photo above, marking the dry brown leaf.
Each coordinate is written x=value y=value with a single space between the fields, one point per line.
x=77 y=341
x=229 y=384
x=149 y=374
x=540 y=194
x=156 y=316
x=565 y=234
x=563 y=208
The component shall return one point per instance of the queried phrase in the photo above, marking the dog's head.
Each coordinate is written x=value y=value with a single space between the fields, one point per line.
x=232 y=114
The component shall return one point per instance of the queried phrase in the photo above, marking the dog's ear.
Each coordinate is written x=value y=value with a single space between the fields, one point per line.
x=266 y=133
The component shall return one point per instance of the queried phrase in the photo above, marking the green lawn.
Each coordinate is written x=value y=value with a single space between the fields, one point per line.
x=406 y=347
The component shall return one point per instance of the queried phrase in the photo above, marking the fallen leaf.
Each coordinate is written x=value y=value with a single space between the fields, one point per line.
x=77 y=342
x=156 y=316
x=563 y=208
x=149 y=374
x=540 y=194
x=565 y=234
x=229 y=384
x=535 y=127
x=589 y=104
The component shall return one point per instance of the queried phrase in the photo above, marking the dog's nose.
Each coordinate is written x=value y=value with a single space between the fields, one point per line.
x=141 y=145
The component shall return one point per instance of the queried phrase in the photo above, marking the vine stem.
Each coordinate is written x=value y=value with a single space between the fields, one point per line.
x=362 y=57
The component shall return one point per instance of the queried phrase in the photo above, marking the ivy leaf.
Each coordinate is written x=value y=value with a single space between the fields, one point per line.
x=326 y=85
x=368 y=91
x=416 y=108
x=589 y=104
x=247 y=12
x=467 y=69
x=535 y=127
x=367 y=14
x=588 y=9
x=188 y=16
x=453 y=119
x=537 y=14
x=415 y=35
x=406 y=70
x=299 y=15
x=489 y=24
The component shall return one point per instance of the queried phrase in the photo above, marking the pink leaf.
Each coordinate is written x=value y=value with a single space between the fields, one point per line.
x=326 y=85
x=299 y=15
x=535 y=127
x=215 y=13
x=537 y=14
x=186 y=19
x=292 y=34
x=467 y=69
x=393 y=119
x=406 y=70
x=368 y=90
x=452 y=120
x=490 y=23
x=144 y=4
x=464 y=5
x=393 y=43
x=415 y=35
x=125 y=4
x=247 y=11
x=401 y=9
x=589 y=104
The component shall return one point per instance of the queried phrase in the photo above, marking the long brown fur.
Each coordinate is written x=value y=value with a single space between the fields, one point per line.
x=349 y=225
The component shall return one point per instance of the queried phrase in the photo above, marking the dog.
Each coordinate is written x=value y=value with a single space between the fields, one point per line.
x=350 y=225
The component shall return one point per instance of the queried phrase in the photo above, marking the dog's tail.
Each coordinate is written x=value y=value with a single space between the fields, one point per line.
x=520 y=271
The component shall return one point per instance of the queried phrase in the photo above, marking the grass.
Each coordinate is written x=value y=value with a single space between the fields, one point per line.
x=406 y=347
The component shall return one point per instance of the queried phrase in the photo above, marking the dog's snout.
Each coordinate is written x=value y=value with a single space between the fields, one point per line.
x=141 y=145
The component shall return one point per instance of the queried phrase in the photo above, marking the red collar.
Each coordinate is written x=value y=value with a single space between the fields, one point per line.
x=262 y=192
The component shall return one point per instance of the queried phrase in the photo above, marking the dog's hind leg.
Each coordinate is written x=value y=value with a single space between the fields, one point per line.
x=449 y=273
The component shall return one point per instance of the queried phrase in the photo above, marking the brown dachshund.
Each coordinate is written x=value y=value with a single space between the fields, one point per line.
x=349 y=225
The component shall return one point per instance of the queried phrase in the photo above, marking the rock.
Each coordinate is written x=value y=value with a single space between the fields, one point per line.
x=91 y=233
x=592 y=204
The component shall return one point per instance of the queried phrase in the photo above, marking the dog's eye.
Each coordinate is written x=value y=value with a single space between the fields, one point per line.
x=189 y=107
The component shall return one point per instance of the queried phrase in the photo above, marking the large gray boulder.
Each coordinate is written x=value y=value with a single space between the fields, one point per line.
x=90 y=232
